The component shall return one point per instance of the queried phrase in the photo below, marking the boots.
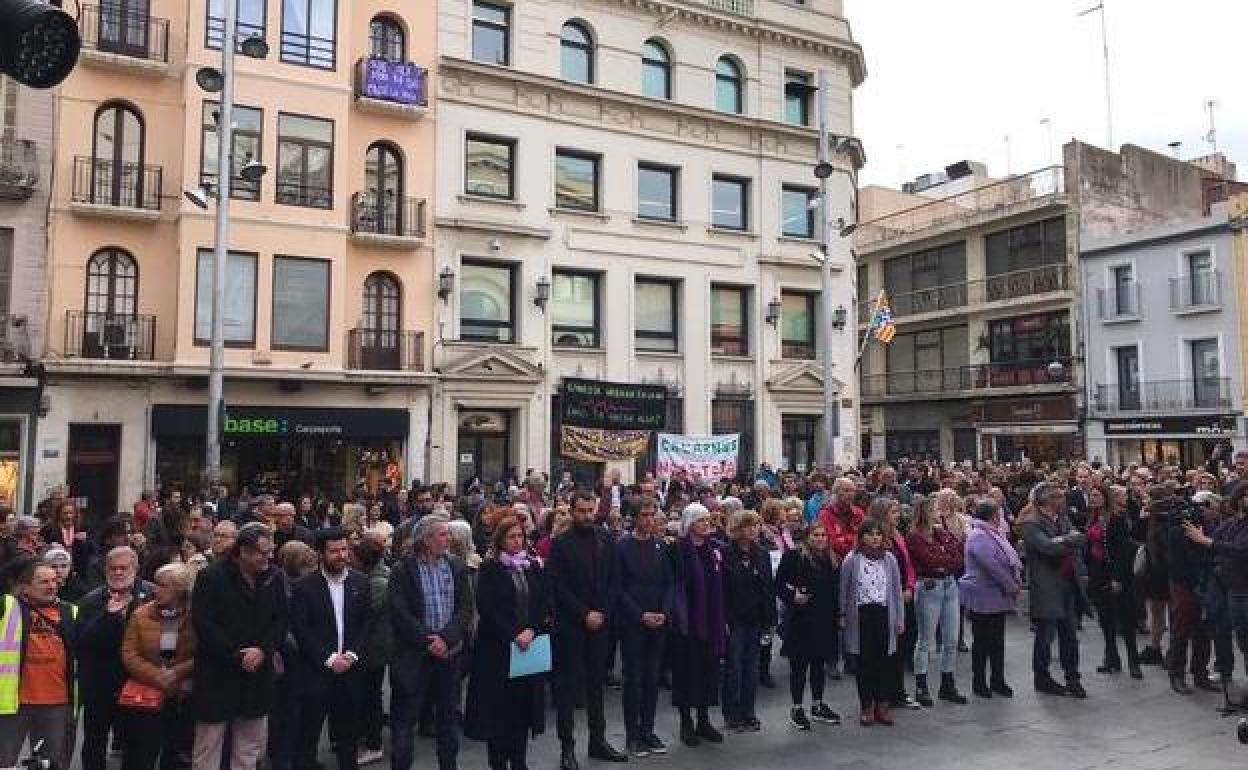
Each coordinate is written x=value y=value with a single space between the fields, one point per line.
x=949 y=690
x=980 y=687
x=921 y=693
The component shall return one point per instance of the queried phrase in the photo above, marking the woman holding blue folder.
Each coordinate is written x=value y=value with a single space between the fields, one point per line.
x=514 y=608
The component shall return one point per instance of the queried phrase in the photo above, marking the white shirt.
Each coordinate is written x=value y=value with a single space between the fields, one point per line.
x=872 y=581
x=337 y=598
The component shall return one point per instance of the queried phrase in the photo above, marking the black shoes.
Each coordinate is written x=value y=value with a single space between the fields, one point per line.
x=605 y=752
x=567 y=760
x=1075 y=690
x=707 y=732
x=1136 y=673
x=1045 y=685
x=980 y=689
x=1206 y=683
x=653 y=743
x=920 y=691
x=1110 y=667
x=1178 y=683
x=949 y=690
x=1151 y=656
x=689 y=735
x=637 y=748
x=821 y=713
x=797 y=718
x=1002 y=689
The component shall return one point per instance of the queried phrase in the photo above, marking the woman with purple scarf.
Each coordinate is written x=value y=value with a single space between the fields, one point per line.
x=988 y=588
x=700 y=633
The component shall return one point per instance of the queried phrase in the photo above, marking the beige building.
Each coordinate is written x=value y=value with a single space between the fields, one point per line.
x=328 y=296
x=626 y=194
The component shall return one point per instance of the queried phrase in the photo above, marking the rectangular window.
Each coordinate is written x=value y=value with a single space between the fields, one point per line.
x=309 y=32
x=926 y=281
x=249 y=22
x=8 y=107
x=239 y=314
x=487 y=302
x=1128 y=365
x=797 y=319
x=576 y=180
x=305 y=161
x=490 y=166
x=1029 y=341
x=575 y=310
x=247 y=140
x=797 y=211
x=1204 y=283
x=656 y=192
x=736 y=415
x=1027 y=246
x=797 y=441
x=656 y=315
x=301 y=303
x=797 y=92
x=491 y=26
x=730 y=321
x=1207 y=375
x=730 y=202
x=6 y=273
x=1124 y=291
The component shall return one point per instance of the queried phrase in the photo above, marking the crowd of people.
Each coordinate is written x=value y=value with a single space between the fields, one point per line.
x=219 y=630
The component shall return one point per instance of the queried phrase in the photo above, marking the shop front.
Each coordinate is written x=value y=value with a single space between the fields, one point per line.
x=1184 y=441
x=17 y=410
x=1042 y=430
x=284 y=450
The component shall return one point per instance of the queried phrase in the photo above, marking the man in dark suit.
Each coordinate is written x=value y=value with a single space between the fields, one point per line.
x=431 y=612
x=1077 y=498
x=583 y=579
x=329 y=619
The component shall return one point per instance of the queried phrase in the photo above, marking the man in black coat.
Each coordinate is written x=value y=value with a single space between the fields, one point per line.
x=431 y=612
x=102 y=617
x=329 y=612
x=286 y=528
x=583 y=578
x=238 y=611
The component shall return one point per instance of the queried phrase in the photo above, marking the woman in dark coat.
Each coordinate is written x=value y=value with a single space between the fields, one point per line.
x=513 y=603
x=808 y=583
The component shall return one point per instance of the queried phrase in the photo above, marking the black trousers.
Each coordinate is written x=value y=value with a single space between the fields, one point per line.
x=873 y=671
x=371 y=707
x=1115 y=613
x=509 y=752
x=642 y=650
x=988 y=646
x=579 y=661
x=149 y=736
x=798 y=668
x=339 y=701
x=99 y=716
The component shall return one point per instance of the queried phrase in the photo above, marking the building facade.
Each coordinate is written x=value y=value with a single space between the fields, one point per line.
x=328 y=292
x=626 y=194
x=1164 y=376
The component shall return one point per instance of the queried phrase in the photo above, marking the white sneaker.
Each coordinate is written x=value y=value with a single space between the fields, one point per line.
x=369 y=756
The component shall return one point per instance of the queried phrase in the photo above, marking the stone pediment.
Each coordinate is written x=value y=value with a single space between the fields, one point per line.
x=498 y=364
x=801 y=377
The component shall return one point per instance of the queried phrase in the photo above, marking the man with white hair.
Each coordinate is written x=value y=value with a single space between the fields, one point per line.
x=285 y=528
x=1053 y=553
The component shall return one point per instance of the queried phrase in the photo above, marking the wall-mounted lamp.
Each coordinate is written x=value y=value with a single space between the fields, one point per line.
x=773 y=312
x=542 y=294
x=838 y=318
x=446 y=282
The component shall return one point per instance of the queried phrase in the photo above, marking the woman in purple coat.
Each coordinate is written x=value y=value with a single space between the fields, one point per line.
x=988 y=589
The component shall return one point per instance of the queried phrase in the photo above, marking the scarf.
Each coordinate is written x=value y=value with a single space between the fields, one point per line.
x=519 y=562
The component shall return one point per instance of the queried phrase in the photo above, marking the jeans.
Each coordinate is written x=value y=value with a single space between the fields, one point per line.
x=741 y=673
x=1068 y=643
x=642 y=650
x=1187 y=627
x=437 y=681
x=937 y=606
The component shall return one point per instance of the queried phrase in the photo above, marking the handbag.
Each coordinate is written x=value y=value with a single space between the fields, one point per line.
x=140 y=697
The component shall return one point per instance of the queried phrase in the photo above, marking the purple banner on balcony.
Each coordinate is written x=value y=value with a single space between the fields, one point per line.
x=399 y=82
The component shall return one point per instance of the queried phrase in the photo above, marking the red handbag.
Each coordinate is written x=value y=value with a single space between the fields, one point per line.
x=140 y=697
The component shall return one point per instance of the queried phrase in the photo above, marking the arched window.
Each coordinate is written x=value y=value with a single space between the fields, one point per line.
x=383 y=190
x=385 y=39
x=656 y=70
x=117 y=157
x=112 y=284
x=380 y=319
x=576 y=53
x=729 y=86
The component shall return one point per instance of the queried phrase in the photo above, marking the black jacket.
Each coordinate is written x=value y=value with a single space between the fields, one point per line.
x=407 y=618
x=646 y=582
x=228 y=615
x=583 y=577
x=98 y=642
x=809 y=630
x=300 y=533
x=315 y=630
x=749 y=590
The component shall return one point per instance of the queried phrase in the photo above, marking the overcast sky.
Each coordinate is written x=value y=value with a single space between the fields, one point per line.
x=950 y=80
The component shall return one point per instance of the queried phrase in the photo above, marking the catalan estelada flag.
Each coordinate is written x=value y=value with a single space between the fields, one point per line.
x=882 y=320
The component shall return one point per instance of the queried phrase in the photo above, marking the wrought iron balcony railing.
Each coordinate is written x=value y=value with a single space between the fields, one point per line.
x=124 y=29
x=972 y=377
x=1206 y=393
x=385 y=350
x=104 y=182
x=110 y=335
x=387 y=214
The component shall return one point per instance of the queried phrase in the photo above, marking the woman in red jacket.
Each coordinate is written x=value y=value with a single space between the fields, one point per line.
x=937 y=555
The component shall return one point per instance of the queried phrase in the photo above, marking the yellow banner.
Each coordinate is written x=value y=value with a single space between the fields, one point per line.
x=599 y=446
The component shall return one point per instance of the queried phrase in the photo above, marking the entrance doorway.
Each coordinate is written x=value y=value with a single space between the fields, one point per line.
x=94 y=459
x=484 y=447
x=797 y=432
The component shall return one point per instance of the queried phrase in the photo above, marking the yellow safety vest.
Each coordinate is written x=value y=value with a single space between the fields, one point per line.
x=11 y=632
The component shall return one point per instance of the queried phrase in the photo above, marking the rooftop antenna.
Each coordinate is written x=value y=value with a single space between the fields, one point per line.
x=1009 y=165
x=1174 y=148
x=1109 y=104
x=1212 y=137
x=1047 y=123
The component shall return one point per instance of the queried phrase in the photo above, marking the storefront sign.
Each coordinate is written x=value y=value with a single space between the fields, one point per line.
x=1028 y=409
x=704 y=458
x=259 y=422
x=1201 y=426
x=612 y=405
x=391 y=81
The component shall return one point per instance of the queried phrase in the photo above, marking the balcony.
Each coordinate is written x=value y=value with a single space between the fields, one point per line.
x=387 y=220
x=957 y=297
x=122 y=36
x=115 y=337
x=1008 y=197
x=390 y=351
x=103 y=187
x=19 y=171
x=1026 y=283
x=1119 y=304
x=390 y=87
x=1196 y=293
x=969 y=380
x=1209 y=394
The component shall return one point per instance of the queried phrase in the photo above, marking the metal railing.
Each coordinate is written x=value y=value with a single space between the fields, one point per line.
x=387 y=214
x=972 y=377
x=19 y=169
x=384 y=350
x=1119 y=302
x=110 y=335
x=1164 y=396
x=995 y=288
x=737 y=7
x=240 y=189
x=997 y=198
x=125 y=30
x=214 y=32
x=297 y=193
x=1196 y=290
x=104 y=182
x=311 y=50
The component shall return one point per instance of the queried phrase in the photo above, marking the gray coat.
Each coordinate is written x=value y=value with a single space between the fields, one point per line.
x=1048 y=542
x=849 y=601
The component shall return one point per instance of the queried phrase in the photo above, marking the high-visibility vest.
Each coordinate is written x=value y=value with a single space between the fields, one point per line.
x=11 y=633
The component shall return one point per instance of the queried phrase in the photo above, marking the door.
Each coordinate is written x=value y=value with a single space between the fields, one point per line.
x=383 y=181
x=798 y=439
x=123 y=27
x=1128 y=378
x=1206 y=374
x=484 y=447
x=379 y=329
x=94 y=459
x=109 y=325
x=117 y=158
